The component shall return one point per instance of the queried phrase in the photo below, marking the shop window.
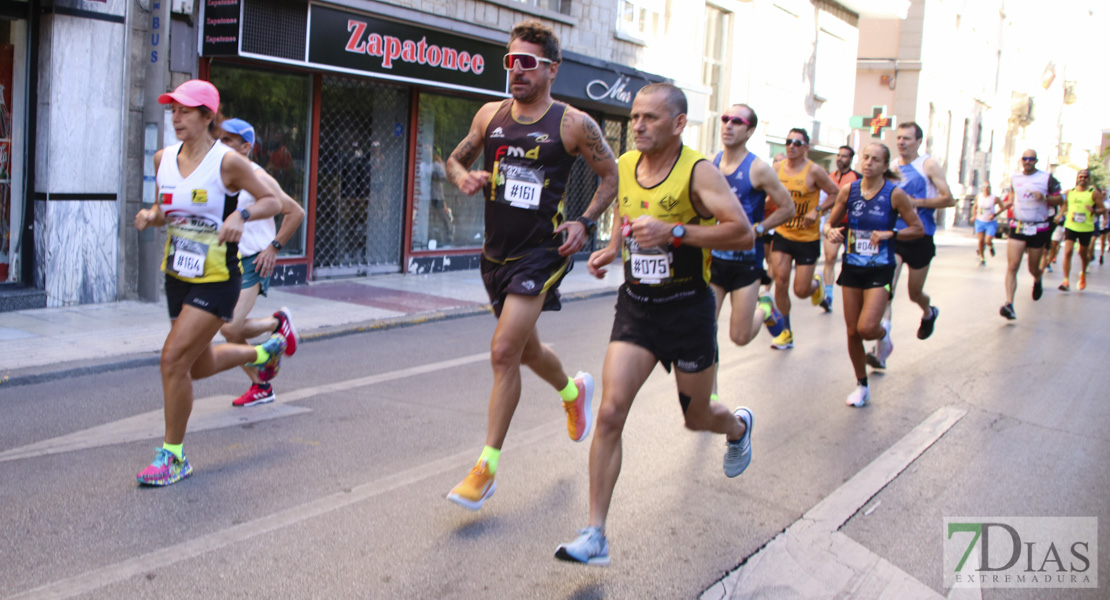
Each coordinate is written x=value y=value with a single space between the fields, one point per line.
x=618 y=134
x=443 y=217
x=277 y=104
x=361 y=177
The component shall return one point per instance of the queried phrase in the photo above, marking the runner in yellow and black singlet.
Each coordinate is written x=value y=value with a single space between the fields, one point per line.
x=673 y=207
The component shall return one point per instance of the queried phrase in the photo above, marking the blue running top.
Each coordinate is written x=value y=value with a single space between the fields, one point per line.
x=864 y=216
x=916 y=184
x=752 y=200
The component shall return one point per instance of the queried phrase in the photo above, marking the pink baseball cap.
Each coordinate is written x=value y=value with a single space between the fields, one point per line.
x=194 y=92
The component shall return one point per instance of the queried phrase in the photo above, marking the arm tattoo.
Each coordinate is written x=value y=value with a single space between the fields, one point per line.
x=462 y=159
x=594 y=141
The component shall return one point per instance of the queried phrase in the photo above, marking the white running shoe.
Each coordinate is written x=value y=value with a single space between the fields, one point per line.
x=859 y=396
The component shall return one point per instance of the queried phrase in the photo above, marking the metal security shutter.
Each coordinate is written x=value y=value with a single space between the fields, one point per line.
x=277 y=28
x=361 y=177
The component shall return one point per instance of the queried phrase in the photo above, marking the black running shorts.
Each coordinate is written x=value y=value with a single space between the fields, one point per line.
x=218 y=298
x=865 y=278
x=1037 y=240
x=1083 y=237
x=734 y=274
x=916 y=254
x=804 y=253
x=682 y=332
x=537 y=272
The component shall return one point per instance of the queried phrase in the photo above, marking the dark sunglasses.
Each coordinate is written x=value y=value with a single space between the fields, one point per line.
x=1028 y=159
x=526 y=62
x=735 y=120
x=795 y=143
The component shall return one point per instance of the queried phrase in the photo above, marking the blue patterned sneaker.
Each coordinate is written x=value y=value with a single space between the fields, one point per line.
x=589 y=548
x=275 y=346
x=165 y=470
x=739 y=453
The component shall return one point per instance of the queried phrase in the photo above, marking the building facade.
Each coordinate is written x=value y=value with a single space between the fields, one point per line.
x=356 y=104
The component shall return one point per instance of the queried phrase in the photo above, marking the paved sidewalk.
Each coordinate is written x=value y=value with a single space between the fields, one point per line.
x=46 y=343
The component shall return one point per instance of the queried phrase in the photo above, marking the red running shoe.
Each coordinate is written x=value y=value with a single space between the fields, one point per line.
x=285 y=328
x=256 y=395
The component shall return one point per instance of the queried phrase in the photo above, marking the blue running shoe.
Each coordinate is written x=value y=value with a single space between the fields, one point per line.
x=739 y=453
x=589 y=548
x=165 y=470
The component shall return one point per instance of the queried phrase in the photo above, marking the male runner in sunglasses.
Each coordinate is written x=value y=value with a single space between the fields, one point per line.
x=798 y=241
x=530 y=143
x=923 y=180
x=1034 y=192
x=736 y=274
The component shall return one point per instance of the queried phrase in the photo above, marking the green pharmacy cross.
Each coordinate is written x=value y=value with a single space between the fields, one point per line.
x=877 y=122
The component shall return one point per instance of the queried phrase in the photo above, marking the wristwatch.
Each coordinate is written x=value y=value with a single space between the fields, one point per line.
x=588 y=223
x=276 y=244
x=758 y=228
x=679 y=232
x=246 y=214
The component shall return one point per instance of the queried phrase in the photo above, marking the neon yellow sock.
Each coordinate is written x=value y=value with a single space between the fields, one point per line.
x=491 y=455
x=569 y=393
x=261 y=357
x=712 y=397
x=176 y=449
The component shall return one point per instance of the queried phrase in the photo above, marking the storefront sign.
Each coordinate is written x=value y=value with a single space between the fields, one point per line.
x=220 y=31
x=358 y=42
x=588 y=86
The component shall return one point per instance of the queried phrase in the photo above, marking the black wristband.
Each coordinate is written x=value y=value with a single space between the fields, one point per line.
x=895 y=234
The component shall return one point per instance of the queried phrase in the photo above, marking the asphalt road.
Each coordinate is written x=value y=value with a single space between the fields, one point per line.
x=337 y=490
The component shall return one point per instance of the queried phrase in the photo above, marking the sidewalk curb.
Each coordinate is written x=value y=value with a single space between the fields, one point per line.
x=56 y=371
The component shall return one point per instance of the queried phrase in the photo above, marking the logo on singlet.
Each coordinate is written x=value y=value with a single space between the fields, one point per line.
x=668 y=203
x=200 y=196
x=540 y=137
x=497 y=133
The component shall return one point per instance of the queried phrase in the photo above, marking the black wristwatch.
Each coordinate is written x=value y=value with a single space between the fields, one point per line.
x=246 y=214
x=276 y=244
x=588 y=223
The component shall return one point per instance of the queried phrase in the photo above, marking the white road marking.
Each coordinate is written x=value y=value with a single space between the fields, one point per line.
x=215 y=412
x=110 y=574
x=812 y=559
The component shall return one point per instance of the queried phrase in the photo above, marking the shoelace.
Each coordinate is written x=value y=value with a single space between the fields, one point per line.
x=593 y=538
x=477 y=469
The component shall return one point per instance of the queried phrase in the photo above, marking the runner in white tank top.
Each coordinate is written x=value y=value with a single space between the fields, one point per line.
x=197 y=181
x=258 y=248
x=1033 y=192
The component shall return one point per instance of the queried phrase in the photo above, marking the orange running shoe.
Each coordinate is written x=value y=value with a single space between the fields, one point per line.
x=580 y=413
x=1082 y=281
x=475 y=489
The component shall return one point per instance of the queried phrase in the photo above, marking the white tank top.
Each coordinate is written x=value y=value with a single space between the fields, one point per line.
x=1026 y=207
x=257 y=234
x=195 y=209
x=987 y=207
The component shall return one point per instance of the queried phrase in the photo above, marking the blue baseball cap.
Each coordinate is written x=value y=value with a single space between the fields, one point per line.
x=240 y=128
